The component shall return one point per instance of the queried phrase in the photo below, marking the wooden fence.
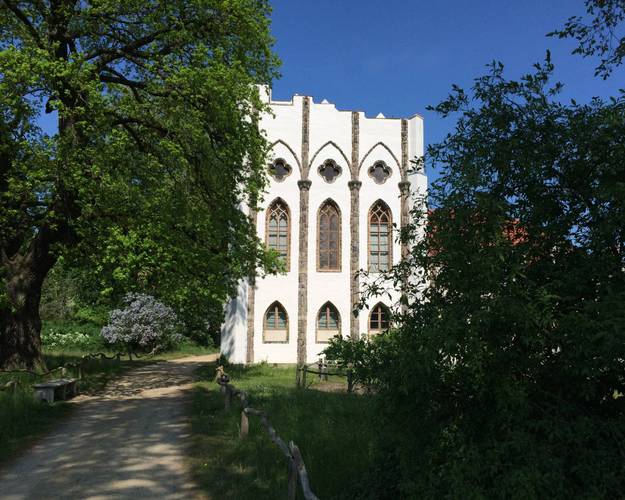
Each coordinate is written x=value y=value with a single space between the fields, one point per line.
x=324 y=368
x=295 y=462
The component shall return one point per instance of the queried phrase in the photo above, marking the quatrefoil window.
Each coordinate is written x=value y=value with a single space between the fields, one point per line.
x=329 y=170
x=379 y=172
x=280 y=170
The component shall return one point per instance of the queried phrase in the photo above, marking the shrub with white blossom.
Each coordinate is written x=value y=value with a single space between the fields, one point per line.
x=144 y=324
x=53 y=339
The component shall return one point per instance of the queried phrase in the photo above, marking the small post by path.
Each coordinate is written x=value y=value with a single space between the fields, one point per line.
x=304 y=373
x=350 y=377
x=245 y=425
x=228 y=398
x=292 y=484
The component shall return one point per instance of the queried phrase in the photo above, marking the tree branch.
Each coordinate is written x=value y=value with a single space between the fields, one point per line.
x=25 y=21
x=109 y=55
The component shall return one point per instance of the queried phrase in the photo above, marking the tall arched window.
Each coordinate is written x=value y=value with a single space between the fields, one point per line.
x=276 y=324
x=379 y=319
x=329 y=237
x=278 y=230
x=328 y=323
x=380 y=237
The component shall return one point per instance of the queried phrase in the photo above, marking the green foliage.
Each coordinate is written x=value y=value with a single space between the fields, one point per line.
x=53 y=339
x=157 y=147
x=365 y=357
x=60 y=293
x=501 y=378
x=333 y=430
x=599 y=33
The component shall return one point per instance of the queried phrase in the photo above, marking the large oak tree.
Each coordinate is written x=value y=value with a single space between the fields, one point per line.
x=156 y=142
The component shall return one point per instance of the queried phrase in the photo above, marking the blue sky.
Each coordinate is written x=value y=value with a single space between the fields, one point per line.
x=398 y=56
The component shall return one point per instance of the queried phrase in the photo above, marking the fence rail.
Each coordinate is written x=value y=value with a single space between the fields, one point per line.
x=325 y=368
x=295 y=462
x=12 y=385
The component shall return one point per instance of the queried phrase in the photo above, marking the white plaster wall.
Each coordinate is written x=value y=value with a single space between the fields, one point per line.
x=330 y=138
x=234 y=329
x=370 y=192
x=328 y=124
x=284 y=126
x=283 y=287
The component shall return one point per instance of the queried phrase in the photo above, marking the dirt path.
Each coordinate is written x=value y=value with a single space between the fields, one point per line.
x=128 y=443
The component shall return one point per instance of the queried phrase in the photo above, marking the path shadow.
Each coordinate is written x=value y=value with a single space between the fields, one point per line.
x=129 y=443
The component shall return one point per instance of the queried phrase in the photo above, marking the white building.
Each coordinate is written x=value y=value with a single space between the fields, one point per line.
x=339 y=181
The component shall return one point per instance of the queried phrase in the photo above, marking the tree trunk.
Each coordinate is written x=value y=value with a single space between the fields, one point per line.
x=20 y=340
x=20 y=324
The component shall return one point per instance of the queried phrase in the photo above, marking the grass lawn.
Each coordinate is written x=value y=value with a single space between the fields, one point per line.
x=22 y=419
x=333 y=430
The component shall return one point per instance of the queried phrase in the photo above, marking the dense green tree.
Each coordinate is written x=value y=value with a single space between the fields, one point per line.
x=502 y=379
x=157 y=146
x=599 y=33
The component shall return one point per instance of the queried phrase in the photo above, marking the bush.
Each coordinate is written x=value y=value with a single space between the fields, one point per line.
x=144 y=324
x=505 y=363
x=364 y=356
x=58 y=339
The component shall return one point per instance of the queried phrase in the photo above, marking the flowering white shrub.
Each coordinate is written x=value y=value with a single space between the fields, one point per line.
x=69 y=340
x=144 y=324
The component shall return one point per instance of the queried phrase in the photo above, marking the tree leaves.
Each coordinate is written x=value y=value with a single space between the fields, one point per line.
x=511 y=343
x=157 y=141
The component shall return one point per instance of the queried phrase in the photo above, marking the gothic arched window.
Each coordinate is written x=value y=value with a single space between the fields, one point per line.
x=278 y=230
x=328 y=323
x=329 y=237
x=276 y=324
x=379 y=319
x=380 y=237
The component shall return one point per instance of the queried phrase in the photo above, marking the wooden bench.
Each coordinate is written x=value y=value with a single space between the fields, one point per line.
x=63 y=387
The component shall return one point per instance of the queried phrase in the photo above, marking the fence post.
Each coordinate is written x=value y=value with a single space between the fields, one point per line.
x=228 y=398
x=320 y=367
x=245 y=425
x=63 y=372
x=350 y=378
x=292 y=488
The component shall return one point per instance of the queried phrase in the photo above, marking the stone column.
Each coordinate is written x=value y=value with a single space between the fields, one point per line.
x=404 y=190
x=354 y=267
x=302 y=290
x=355 y=145
x=404 y=185
x=354 y=224
x=251 y=291
x=404 y=150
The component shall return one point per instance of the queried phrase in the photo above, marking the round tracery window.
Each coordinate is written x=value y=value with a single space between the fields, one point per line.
x=379 y=172
x=329 y=170
x=280 y=170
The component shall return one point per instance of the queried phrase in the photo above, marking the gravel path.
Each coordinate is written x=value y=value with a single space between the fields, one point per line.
x=127 y=443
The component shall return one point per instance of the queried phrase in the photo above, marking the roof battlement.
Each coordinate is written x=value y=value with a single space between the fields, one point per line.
x=266 y=95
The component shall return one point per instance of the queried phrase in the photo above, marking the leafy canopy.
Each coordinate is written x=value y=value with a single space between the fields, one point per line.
x=599 y=33
x=156 y=146
x=508 y=358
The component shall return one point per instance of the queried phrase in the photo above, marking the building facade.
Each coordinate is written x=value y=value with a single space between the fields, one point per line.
x=340 y=187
